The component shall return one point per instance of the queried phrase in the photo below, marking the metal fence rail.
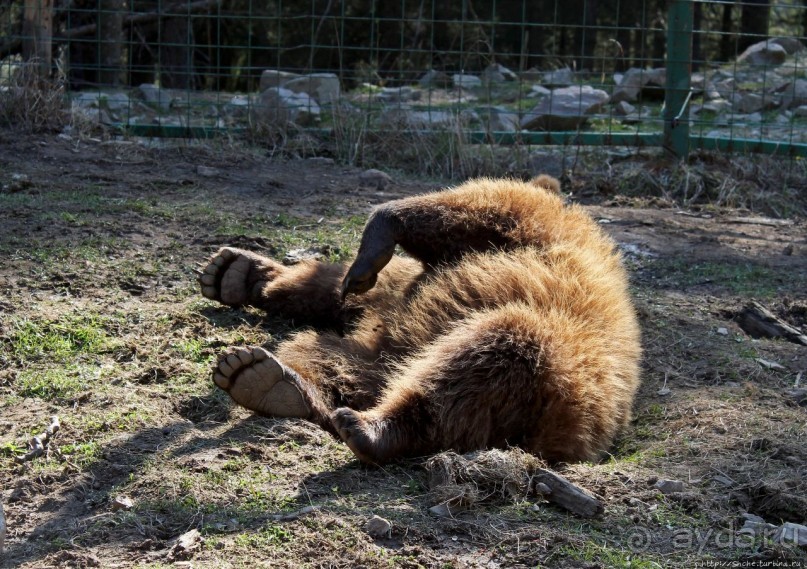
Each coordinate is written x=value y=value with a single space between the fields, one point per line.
x=683 y=75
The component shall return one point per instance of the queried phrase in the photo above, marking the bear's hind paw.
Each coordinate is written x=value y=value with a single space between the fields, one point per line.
x=257 y=380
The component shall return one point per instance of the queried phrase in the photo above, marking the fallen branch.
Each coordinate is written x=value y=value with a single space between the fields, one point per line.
x=758 y=321
x=40 y=442
x=559 y=491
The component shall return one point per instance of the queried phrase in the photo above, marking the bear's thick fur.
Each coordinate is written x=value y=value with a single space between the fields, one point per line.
x=508 y=323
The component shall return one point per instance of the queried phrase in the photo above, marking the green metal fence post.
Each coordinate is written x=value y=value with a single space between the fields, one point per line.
x=677 y=92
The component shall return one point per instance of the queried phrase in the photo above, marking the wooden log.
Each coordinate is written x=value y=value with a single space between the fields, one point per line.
x=758 y=321
x=566 y=495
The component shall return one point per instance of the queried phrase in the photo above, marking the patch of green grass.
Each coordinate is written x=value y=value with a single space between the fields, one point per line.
x=82 y=454
x=58 y=340
x=606 y=556
x=192 y=349
x=53 y=384
x=745 y=279
x=266 y=536
x=11 y=449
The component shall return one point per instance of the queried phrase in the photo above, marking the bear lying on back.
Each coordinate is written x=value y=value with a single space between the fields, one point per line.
x=508 y=323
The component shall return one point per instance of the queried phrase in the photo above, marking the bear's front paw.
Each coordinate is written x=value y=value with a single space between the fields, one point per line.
x=357 y=434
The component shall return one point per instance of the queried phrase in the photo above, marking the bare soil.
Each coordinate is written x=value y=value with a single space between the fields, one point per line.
x=101 y=324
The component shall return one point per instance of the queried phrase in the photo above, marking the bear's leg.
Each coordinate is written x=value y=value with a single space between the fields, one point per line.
x=307 y=292
x=311 y=374
x=497 y=379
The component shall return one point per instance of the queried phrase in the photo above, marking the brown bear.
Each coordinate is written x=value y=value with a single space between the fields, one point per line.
x=508 y=323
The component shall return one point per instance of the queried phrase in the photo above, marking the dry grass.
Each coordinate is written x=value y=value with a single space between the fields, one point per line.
x=32 y=104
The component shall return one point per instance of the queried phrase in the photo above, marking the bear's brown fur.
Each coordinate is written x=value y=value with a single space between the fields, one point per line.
x=510 y=323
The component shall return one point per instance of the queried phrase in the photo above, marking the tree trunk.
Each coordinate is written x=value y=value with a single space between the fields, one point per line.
x=176 y=53
x=36 y=30
x=110 y=40
x=727 y=38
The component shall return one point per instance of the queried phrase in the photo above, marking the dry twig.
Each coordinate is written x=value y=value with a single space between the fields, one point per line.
x=40 y=442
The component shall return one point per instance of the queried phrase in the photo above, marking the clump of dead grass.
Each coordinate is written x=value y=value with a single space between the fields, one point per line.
x=493 y=476
x=33 y=104
x=768 y=185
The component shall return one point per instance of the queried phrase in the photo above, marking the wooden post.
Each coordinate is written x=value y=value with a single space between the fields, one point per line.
x=37 y=30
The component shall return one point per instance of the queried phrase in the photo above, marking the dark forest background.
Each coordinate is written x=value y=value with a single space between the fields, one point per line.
x=225 y=44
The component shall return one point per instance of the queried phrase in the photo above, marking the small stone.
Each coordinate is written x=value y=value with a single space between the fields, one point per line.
x=378 y=527
x=18 y=183
x=375 y=178
x=669 y=486
x=791 y=533
x=124 y=503
x=664 y=391
x=723 y=331
x=207 y=171
x=186 y=545
x=441 y=511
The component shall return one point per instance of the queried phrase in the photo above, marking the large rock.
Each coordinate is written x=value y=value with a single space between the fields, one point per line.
x=565 y=109
x=275 y=78
x=398 y=94
x=278 y=107
x=795 y=94
x=496 y=73
x=791 y=45
x=435 y=79
x=467 y=81
x=324 y=87
x=559 y=78
x=403 y=117
x=156 y=96
x=499 y=119
x=763 y=53
x=636 y=82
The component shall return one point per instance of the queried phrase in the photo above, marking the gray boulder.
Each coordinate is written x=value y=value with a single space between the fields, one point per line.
x=794 y=94
x=324 y=87
x=275 y=78
x=791 y=45
x=278 y=107
x=565 y=109
x=496 y=73
x=559 y=78
x=499 y=119
x=398 y=94
x=636 y=81
x=156 y=97
x=763 y=53
x=435 y=79
x=467 y=81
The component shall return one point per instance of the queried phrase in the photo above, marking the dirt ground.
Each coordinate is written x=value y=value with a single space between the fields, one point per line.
x=101 y=325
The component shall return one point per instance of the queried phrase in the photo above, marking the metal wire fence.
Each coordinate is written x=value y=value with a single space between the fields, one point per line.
x=678 y=74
